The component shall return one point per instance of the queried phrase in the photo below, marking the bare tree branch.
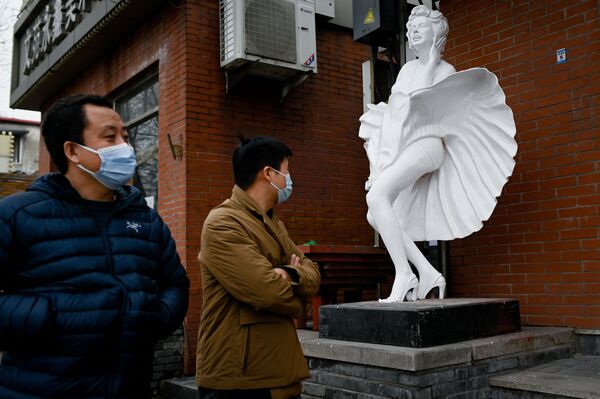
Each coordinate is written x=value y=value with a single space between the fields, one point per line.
x=8 y=15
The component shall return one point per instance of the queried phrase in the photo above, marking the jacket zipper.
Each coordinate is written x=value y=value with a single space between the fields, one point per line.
x=111 y=270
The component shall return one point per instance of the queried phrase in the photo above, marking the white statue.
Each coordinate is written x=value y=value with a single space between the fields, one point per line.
x=439 y=152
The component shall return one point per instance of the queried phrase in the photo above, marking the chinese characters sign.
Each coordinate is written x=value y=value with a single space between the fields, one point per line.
x=57 y=40
x=50 y=27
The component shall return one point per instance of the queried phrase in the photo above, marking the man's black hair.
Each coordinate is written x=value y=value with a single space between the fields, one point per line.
x=65 y=121
x=254 y=154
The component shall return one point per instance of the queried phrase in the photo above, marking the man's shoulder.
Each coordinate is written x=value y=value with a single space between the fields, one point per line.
x=226 y=212
x=16 y=202
x=229 y=214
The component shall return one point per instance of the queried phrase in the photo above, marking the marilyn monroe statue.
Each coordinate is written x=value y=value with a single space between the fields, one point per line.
x=439 y=152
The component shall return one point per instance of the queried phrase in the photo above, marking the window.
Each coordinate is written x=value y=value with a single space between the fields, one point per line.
x=139 y=110
x=17 y=148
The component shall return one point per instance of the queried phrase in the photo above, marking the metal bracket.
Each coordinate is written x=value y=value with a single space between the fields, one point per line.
x=234 y=76
x=176 y=149
x=293 y=82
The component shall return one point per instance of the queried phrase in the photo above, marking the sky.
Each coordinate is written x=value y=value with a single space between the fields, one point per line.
x=9 y=10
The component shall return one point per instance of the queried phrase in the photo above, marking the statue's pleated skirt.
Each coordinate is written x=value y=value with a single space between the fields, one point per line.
x=468 y=111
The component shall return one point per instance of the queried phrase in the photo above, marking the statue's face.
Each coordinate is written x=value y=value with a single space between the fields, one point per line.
x=421 y=32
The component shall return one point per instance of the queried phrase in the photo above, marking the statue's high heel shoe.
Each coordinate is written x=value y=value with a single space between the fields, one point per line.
x=409 y=291
x=426 y=286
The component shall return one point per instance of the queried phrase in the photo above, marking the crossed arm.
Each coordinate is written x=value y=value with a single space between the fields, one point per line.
x=237 y=263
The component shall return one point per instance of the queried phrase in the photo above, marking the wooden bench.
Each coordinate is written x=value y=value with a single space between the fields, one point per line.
x=348 y=274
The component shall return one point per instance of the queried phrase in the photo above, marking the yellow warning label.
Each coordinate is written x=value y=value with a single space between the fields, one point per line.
x=370 y=18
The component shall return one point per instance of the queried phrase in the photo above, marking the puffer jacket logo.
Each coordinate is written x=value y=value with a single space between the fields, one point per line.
x=134 y=226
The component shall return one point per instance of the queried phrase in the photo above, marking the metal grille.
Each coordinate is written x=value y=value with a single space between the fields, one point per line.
x=227 y=16
x=271 y=29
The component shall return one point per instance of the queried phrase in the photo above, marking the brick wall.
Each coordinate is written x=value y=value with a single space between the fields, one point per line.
x=168 y=361
x=542 y=244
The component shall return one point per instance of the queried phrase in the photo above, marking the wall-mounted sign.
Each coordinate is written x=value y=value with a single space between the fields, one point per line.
x=56 y=40
x=50 y=27
x=561 y=56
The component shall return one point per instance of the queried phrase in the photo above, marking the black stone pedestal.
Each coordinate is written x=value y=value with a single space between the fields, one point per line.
x=419 y=324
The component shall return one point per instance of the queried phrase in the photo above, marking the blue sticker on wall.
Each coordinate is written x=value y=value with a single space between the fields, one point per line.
x=561 y=56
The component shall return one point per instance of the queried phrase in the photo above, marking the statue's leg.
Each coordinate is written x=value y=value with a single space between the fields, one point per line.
x=410 y=165
x=429 y=277
x=382 y=216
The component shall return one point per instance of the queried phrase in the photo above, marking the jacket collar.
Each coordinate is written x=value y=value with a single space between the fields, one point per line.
x=58 y=186
x=271 y=222
x=241 y=198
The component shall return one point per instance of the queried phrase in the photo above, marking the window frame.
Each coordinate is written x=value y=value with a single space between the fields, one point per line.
x=127 y=93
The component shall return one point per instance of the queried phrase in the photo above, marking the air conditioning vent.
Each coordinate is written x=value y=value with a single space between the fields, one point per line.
x=271 y=29
x=269 y=38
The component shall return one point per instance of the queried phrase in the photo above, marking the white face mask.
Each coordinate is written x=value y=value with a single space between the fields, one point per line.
x=117 y=165
x=283 y=194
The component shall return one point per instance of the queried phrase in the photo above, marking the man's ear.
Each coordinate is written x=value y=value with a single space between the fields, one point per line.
x=70 y=153
x=264 y=173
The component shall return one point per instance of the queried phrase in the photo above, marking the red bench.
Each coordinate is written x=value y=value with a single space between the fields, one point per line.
x=348 y=274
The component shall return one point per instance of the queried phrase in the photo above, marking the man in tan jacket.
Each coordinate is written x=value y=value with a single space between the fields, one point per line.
x=254 y=280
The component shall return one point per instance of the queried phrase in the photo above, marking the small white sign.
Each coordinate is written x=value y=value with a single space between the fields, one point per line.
x=561 y=56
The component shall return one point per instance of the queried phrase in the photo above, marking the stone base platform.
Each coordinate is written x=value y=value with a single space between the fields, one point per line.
x=419 y=324
x=353 y=370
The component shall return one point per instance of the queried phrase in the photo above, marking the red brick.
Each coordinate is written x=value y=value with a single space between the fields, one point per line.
x=545 y=299
x=564 y=288
x=509 y=278
x=564 y=267
x=543 y=278
x=580 y=233
x=581 y=277
x=591 y=266
x=583 y=322
x=544 y=320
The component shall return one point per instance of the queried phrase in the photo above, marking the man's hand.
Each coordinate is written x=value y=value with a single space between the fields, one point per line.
x=283 y=274
x=294 y=260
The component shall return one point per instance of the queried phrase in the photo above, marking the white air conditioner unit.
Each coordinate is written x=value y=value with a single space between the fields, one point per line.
x=270 y=38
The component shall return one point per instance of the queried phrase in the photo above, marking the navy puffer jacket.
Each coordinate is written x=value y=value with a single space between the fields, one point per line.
x=82 y=303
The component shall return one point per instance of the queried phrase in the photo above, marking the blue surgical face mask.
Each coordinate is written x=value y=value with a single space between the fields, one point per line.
x=117 y=165
x=283 y=194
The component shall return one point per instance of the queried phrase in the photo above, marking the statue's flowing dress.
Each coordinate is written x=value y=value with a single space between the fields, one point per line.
x=468 y=111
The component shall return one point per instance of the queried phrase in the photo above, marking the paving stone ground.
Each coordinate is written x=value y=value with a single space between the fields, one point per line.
x=576 y=377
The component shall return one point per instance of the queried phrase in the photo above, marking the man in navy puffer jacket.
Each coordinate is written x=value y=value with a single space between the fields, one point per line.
x=89 y=275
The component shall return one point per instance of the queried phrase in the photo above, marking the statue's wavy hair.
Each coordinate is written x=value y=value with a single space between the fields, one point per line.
x=440 y=25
